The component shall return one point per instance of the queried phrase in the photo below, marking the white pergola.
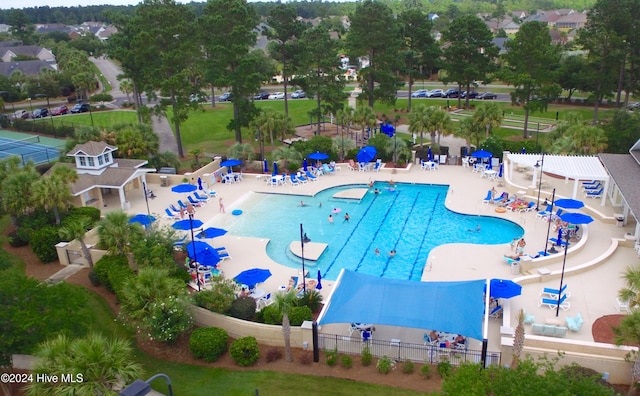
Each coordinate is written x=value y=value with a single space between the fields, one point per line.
x=569 y=166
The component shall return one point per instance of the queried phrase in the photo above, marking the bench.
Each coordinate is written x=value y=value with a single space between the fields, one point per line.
x=549 y=330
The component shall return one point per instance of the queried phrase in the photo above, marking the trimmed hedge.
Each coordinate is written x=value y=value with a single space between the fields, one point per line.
x=87 y=211
x=243 y=308
x=297 y=315
x=112 y=271
x=245 y=351
x=208 y=343
x=43 y=243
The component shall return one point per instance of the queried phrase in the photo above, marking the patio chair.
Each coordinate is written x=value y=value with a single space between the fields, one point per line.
x=326 y=169
x=173 y=208
x=168 y=214
x=351 y=165
x=377 y=166
x=575 y=323
x=310 y=176
x=195 y=202
x=552 y=303
x=302 y=179
x=488 y=199
x=496 y=312
x=182 y=205
x=200 y=197
x=594 y=194
x=294 y=180
x=503 y=196
x=553 y=293
x=544 y=213
x=590 y=183
x=530 y=206
x=465 y=162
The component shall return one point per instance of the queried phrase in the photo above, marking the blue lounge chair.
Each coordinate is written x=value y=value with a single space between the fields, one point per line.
x=544 y=213
x=174 y=209
x=327 y=169
x=488 y=198
x=590 y=183
x=594 y=194
x=496 y=312
x=310 y=176
x=294 y=180
x=182 y=205
x=170 y=215
x=194 y=202
x=553 y=293
x=552 y=303
x=593 y=187
x=302 y=179
x=200 y=197
x=502 y=196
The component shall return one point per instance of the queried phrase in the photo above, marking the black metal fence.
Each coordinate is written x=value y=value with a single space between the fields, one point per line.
x=398 y=350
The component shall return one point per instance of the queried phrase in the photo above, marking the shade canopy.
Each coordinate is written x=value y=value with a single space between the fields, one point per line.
x=252 y=276
x=387 y=129
x=318 y=156
x=568 y=203
x=305 y=165
x=482 y=154
x=504 y=288
x=212 y=232
x=200 y=184
x=231 y=162
x=366 y=154
x=207 y=257
x=184 y=188
x=576 y=218
x=143 y=219
x=195 y=247
x=265 y=166
x=187 y=224
x=275 y=168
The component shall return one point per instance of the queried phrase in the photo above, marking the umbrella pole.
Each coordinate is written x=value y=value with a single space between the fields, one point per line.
x=304 y=283
x=564 y=261
x=546 y=241
x=195 y=258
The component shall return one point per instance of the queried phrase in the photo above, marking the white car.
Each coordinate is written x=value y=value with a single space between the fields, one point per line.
x=277 y=95
x=298 y=94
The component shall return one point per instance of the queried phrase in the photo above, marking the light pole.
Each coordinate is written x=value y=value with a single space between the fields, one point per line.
x=48 y=108
x=303 y=240
x=539 y=165
x=564 y=261
x=146 y=199
x=195 y=258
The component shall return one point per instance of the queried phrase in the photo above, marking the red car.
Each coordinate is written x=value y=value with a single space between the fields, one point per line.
x=60 y=110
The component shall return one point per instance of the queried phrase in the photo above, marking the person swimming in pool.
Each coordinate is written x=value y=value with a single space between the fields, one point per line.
x=330 y=219
x=346 y=217
x=376 y=191
x=377 y=251
x=302 y=203
x=392 y=253
x=477 y=229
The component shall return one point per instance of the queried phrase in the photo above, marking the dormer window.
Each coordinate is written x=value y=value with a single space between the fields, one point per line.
x=83 y=161
x=91 y=162
x=100 y=160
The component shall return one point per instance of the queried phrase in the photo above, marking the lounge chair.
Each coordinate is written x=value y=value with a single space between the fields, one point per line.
x=574 y=324
x=182 y=205
x=488 y=198
x=502 y=196
x=594 y=194
x=530 y=206
x=195 y=202
x=201 y=197
x=168 y=214
x=515 y=206
x=553 y=293
x=294 y=180
x=293 y=283
x=552 y=303
x=496 y=312
x=326 y=169
x=302 y=179
x=174 y=209
x=590 y=183
x=310 y=176
x=351 y=165
x=544 y=213
x=377 y=166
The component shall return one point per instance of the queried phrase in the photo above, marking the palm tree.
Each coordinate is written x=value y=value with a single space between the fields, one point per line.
x=284 y=302
x=135 y=140
x=76 y=228
x=419 y=121
x=196 y=153
x=126 y=86
x=104 y=364
x=344 y=117
x=628 y=329
x=17 y=192
x=439 y=123
x=52 y=192
x=241 y=151
x=165 y=159
x=287 y=155
x=365 y=117
x=118 y=236
x=489 y=115
x=631 y=292
x=468 y=130
x=151 y=285
x=518 y=340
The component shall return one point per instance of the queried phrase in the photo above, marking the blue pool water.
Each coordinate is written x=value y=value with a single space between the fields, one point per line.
x=412 y=220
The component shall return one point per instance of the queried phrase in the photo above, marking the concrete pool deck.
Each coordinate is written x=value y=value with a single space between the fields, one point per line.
x=593 y=291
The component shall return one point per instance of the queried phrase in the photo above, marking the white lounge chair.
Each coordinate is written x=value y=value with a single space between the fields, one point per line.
x=552 y=303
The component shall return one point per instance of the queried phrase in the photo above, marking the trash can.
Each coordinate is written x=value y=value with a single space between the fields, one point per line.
x=164 y=181
x=515 y=268
x=619 y=221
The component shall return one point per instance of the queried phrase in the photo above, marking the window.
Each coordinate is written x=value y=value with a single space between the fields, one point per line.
x=83 y=161
x=91 y=161
x=107 y=158
x=100 y=160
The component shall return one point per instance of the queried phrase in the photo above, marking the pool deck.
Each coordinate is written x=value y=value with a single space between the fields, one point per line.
x=593 y=291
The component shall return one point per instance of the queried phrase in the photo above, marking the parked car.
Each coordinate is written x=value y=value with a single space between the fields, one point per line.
x=299 y=94
x=451 y=93
x=487 y=95
x=80 y=108
x=436 y=93
x=198 y=98
x=634 y=106
x=421 y=93
x=261 y=95
x=277 y=95
x=40 y=113
x=21 y=114
x=472 y=94
x=60 y=110
x=225 y=97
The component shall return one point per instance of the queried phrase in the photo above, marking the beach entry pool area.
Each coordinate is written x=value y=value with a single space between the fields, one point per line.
x=410 y=219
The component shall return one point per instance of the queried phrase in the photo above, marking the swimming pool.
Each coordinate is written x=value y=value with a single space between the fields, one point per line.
x=411 y=220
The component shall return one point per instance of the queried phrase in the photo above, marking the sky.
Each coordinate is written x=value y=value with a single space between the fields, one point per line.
x=7 y=4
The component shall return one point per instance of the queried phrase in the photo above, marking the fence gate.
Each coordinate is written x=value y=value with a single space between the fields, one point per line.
x=75 y=257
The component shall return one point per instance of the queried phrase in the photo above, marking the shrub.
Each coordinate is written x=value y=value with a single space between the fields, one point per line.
x=331 y=357
x=347 y=361
x=208 y=343
x=87 y=211
x=243 y=308
x=305 y=358
x=311 y=299
x=274 y=354
x=93 y=278
x=43 y=243
x=444 y=369
x=244 y=351
x=367 y=358
x=272 y=315
x=16 y=240
x=425 y=371
x=220 y=298
x=297 y=315
x=407 y=367
x=384 y=365
x=168 y=319
x=112 y=271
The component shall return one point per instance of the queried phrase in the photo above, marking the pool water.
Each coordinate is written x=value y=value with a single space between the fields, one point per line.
x=412 y=220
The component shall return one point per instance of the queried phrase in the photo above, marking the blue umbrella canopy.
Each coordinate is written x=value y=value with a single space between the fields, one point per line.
x=504 y=288
x=568 y=203
x=275 y=168
x=252 y=276
x=212 y=232
x=195 y=247
x=265 y=166
x=387 y=129
x=207 y=257
x=187 y=224
x=430 y=154
x=231 y=162
x=184 y=188
x=576 y=218
x=366 y=154
x=318 y=156
x=482 y=154
x=143 y=219
x=319 y=285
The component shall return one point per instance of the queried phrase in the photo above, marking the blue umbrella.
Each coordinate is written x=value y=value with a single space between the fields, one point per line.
x=568 y=203
x=319 y=285
x=231 y=162
x=252 y=276
x=265 y=166
x=387 y=129
x=366 y=154
x=430 y=154
x=212 y=232
x=196 y=247
x=500 y=171
x=305 y=165
x=576 y=218
x=318 y=156
x=523 y=151
x=143 y=219
x=184 y=188
x=504 y=288
x=207 y=257
x=482 y=154
x=275 y=168
x=200 y=184
x=187 y=224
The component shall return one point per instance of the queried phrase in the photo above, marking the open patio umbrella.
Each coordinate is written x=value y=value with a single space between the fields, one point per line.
x=387 y=129
x=252 y=276
x=208 y=257
x=504 y=288
x=430 y=154
x=500 y=171
x=143 y=219
x=523 y=151
x=195 y=247
x=482 y=154
x=187 y=224
x=265 y=167
x=275 y=168
x=305 y=165
x=576 y=218
x=366 y=154
x=212 y=232
x=231 y=162
x=184 y=188
x=319 y=285
x=568 y=203
x=200 y=184
x=318 y=156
